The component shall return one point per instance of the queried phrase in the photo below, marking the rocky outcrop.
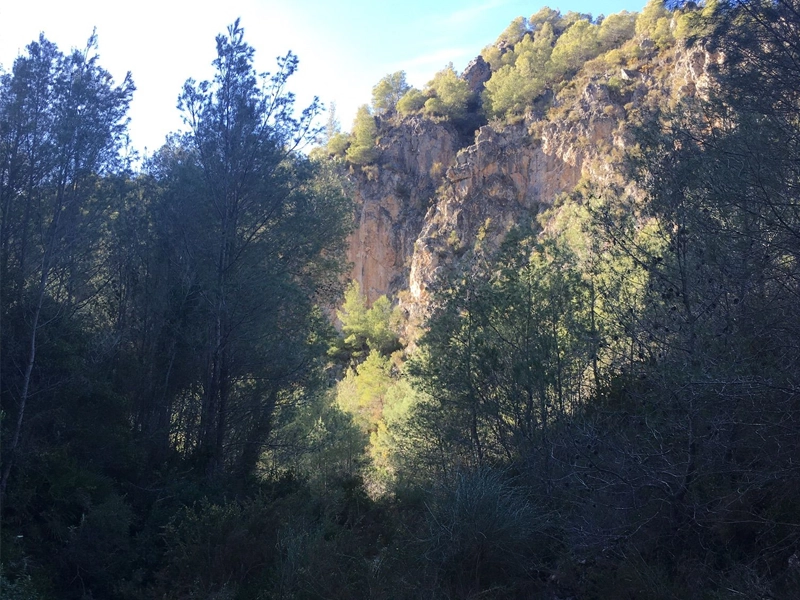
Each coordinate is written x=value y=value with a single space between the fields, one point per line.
x=476 y=74
x=693 y=70
x=392 y=197
x=425 y=205
x=504 y=180
x=423 y=202
x=509 y=176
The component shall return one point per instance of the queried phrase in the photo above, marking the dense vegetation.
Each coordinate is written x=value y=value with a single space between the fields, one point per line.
x=607 y=407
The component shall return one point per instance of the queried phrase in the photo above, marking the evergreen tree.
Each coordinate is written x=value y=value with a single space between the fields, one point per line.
x=363 y=327
x=388 y=91
x=506 y=355
x=63 y=125
x=450 y=95
x=514 y=87
x=362 y=150
x=574 y=47
x=265 y=234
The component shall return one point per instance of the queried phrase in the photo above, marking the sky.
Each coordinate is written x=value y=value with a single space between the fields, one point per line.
x=344 y=47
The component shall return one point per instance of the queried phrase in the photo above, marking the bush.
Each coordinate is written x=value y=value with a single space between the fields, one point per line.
x=213 y=550
x=100 y=547
x=483 y=531
x=411 y=102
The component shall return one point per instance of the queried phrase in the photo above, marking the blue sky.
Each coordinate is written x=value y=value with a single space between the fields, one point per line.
x=344 y=47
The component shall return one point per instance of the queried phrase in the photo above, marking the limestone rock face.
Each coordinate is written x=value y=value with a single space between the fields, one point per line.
x=505 y=179
x=692 y=72
x=426 y=206
x=509 y=176
x=392 y=198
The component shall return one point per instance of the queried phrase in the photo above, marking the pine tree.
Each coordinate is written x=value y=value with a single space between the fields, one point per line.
x=265 y=232
x=362 y=150
x=388 y=91
x=64 y=122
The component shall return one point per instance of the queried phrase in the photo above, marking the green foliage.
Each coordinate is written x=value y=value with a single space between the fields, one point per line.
x=214 y=550
x=151 y=325
x=577 y=45
x=483 y=532
x=693 y=25
x=63 y=123
x=382 y=326
x=100 y=547
x=616 y=29
x=513 y=88
x=387 y=443
x=508 y=352
x=607 y=407
x=362 y=150
x=501 y=52
x=514 y=33
x=363 y=390
x=388 y=91
x=243 y=194
x=353 y=315
x=555 y=50
x=374 y=392
x=546 y=15
x=331 y=444
x=380 y=400
x=284 y=542
x=654 y=23
x=332 y=125
x=411 y=102
x=335 y=141
x=449 y=95
x=338 y=144
x=495 y=57
x=374 y=328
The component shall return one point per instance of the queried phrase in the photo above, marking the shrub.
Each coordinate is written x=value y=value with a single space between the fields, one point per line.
x=411 y=102
x=482 y=530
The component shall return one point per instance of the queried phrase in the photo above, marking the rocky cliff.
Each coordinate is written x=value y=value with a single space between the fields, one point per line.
x=392 y=198
x=425 y=202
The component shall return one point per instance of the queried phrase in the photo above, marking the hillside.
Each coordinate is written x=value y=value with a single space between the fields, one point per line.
x=528 y=332
x=429 y=183
x=591 y=275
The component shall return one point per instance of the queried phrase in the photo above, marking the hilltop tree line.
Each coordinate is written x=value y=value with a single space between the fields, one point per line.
x=530 y=62
x=606 y=407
